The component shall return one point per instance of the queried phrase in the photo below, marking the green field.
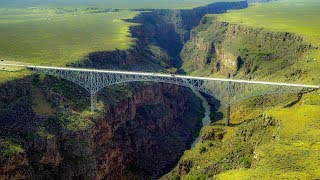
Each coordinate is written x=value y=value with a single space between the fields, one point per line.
x=51 y=37
x=297 y=16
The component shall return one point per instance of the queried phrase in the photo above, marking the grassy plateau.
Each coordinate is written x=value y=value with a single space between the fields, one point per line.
x=58 y=36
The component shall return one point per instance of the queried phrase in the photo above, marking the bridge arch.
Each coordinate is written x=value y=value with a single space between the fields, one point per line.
x=227 y=91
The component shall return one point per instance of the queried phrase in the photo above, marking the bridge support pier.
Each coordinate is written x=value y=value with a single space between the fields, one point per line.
x=93 y=101
x=228 y=115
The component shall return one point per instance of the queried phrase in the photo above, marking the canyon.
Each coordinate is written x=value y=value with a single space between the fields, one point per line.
x=47 y=133
x=142 y=130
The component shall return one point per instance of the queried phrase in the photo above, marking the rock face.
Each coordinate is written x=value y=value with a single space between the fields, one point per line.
x=170 y=29
x=15 y=102
x=234 y=50
x=141 y=125
x=15 y=167
x=138 y=58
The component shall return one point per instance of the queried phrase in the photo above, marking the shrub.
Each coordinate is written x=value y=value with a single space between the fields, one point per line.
x=203 y=149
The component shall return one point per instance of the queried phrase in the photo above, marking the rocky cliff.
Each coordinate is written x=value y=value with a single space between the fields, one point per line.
x=170 y=29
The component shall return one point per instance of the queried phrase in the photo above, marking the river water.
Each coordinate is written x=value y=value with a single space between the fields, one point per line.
x=206 y=120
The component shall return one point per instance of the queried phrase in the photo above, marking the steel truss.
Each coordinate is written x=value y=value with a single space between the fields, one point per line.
x=226 y=90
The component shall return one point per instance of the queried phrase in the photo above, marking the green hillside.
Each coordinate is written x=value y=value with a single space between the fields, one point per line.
x=292 y=43
x=266 y=141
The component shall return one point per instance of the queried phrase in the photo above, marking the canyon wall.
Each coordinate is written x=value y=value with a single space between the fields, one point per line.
x=160 y=38
x=232 y=50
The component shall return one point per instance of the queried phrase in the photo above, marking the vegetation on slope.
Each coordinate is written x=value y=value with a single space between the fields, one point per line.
x=276 y=141
x=271 y=137
x=219 y=49
x=295 y=16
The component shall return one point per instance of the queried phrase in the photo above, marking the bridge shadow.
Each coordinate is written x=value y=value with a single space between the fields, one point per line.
x=216 y=114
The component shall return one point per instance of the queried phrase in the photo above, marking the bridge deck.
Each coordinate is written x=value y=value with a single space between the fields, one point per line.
x=166 y=75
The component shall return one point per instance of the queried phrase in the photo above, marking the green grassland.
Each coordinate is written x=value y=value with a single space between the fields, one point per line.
x=293 y=153
x=297 y=16
x=43 y=36
x=58 y=32
x=49 y=37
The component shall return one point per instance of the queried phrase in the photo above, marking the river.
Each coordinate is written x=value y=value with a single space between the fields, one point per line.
x=206 y=120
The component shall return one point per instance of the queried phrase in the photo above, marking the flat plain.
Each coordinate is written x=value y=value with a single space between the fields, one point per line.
x=45 y=36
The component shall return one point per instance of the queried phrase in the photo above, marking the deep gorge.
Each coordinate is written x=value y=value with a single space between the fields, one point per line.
x=132 y=137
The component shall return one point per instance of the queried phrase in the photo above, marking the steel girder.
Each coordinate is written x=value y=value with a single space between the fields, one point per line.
x=228 y=92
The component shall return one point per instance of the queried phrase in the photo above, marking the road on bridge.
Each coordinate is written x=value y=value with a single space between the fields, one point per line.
x=163 y=75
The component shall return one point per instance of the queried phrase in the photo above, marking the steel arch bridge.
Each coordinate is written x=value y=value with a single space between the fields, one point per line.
x=228 y=91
